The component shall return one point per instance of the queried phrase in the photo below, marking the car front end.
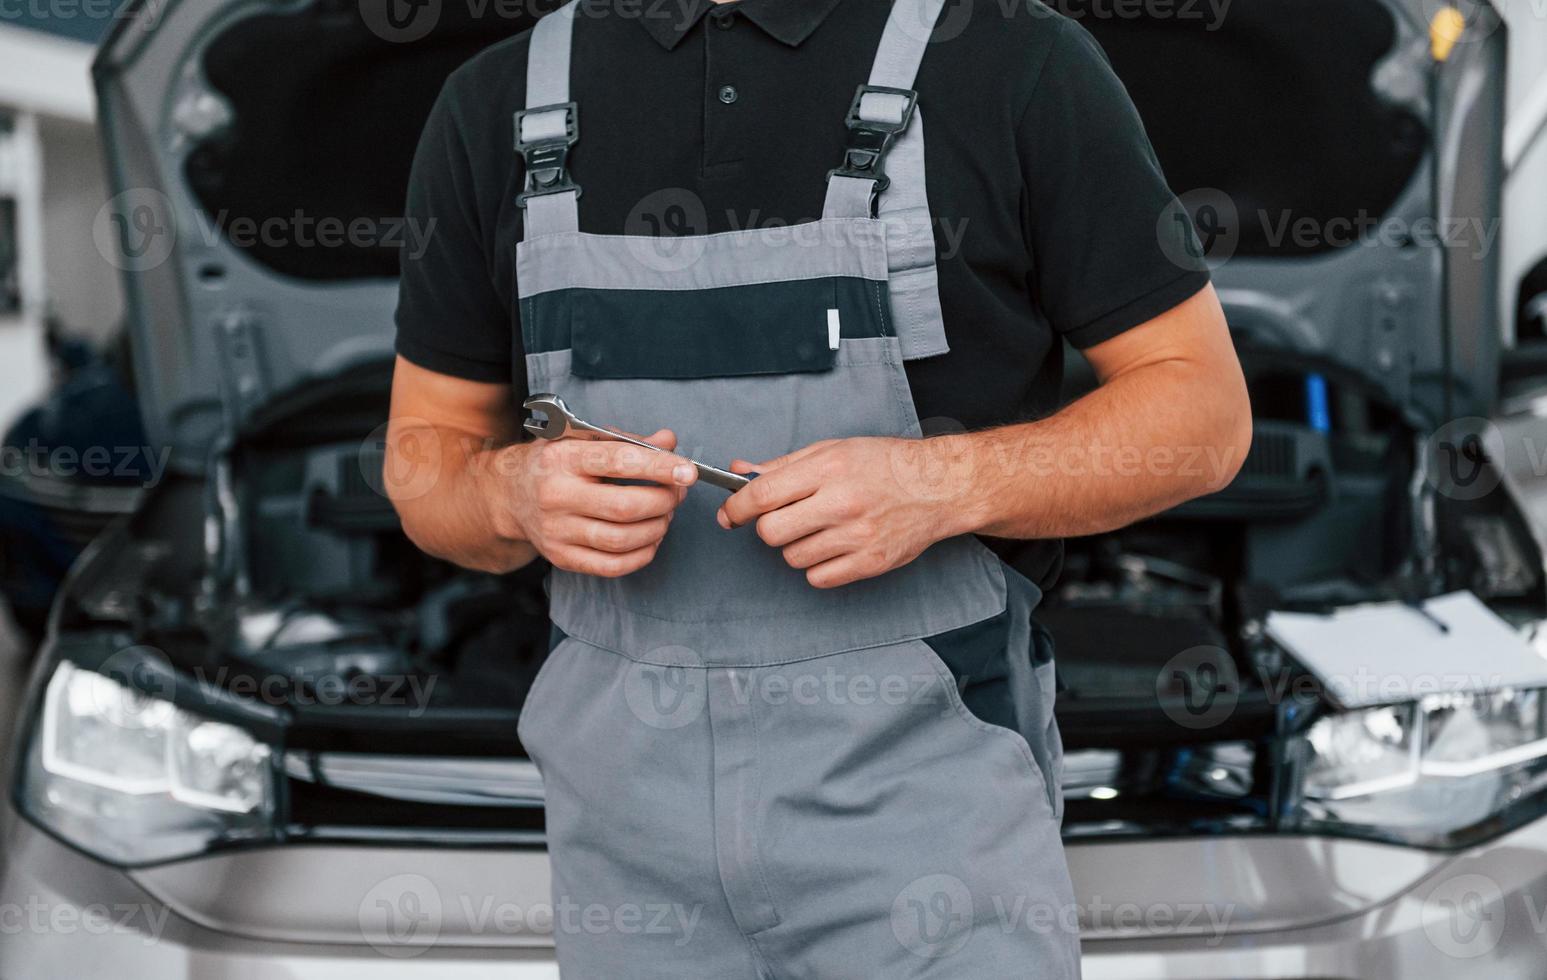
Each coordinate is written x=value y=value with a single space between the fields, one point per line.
x=267 y=737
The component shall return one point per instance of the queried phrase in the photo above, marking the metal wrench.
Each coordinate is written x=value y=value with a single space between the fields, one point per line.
x=559 y=421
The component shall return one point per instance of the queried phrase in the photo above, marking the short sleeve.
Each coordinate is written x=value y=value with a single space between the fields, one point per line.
x=450 y=317
x=1109 y=243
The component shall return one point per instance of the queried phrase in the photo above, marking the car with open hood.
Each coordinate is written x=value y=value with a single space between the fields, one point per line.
x=1304 y=717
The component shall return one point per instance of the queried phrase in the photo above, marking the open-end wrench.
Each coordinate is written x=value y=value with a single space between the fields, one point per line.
x=558 y=421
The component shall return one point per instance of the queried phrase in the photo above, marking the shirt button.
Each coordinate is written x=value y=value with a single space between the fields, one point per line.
x=723 y=19
x=728 y=94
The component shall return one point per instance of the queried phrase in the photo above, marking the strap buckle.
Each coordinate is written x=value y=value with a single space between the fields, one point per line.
x=547 y=157
x=870 y=140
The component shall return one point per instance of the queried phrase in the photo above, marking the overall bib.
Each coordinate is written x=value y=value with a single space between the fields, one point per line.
x=747 y=777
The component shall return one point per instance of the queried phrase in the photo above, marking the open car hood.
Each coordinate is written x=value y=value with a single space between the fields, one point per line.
x=246 y=138
x=259 y=153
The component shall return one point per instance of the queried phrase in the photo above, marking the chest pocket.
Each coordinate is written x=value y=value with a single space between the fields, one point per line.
x=775 y=328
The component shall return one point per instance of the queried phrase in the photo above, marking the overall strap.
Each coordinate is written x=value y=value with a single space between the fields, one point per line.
x=882 y=175
x=548 y=127
x=881 y=112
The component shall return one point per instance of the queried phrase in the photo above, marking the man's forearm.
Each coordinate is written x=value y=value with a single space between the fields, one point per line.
x=1139 y=444
x=438 y=480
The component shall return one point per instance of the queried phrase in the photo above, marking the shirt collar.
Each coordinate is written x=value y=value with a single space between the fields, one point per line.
x=789 y=21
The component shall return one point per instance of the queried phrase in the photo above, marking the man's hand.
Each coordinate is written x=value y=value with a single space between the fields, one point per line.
x=1170 y=421
x=558 y=496
x=849 y=509
x=469 y=491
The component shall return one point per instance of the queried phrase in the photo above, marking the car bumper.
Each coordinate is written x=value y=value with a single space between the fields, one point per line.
x=1480 y=913
x=1415 y=938
x=63 y=914
x=1278 y=907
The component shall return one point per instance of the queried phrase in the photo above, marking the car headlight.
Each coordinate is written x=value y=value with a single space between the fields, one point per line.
x=134 y=779
x=1441 y=772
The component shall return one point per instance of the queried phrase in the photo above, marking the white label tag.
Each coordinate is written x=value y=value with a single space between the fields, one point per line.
x=832 y=329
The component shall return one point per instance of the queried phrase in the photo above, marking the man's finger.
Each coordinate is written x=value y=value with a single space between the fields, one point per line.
x=617 y=539
x=742 y=466
x=619 y=504
x=621 y=461
x=814 y=549
x=836 y=571
x=601 y=563
x=779 y=527
x=768 y=492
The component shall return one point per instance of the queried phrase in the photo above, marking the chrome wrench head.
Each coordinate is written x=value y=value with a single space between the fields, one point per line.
x=557 y=420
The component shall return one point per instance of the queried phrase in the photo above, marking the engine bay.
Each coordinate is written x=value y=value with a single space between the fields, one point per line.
x=297 y=568
x=296 y=586
x=303 y=561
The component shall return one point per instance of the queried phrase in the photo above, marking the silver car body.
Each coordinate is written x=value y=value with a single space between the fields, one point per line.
x=1203 y=906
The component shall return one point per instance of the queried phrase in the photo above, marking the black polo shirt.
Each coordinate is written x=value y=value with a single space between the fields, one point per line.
x=696 y=118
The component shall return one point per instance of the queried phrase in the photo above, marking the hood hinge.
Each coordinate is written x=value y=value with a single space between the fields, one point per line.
x=243 y=378
x=1389 y=345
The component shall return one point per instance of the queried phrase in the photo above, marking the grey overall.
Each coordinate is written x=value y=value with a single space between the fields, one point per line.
x=748 y=777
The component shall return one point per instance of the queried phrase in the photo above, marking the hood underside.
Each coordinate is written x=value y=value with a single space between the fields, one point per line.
x=225 y=116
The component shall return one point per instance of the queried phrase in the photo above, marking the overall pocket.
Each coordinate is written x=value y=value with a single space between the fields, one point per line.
x=1049 y=746
x=774 y=328
x=958 y=708
x=1003 y=679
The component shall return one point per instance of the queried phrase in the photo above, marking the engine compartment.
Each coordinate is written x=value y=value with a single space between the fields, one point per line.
x=285 y=577
x=308 y=573
x=284 y=567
